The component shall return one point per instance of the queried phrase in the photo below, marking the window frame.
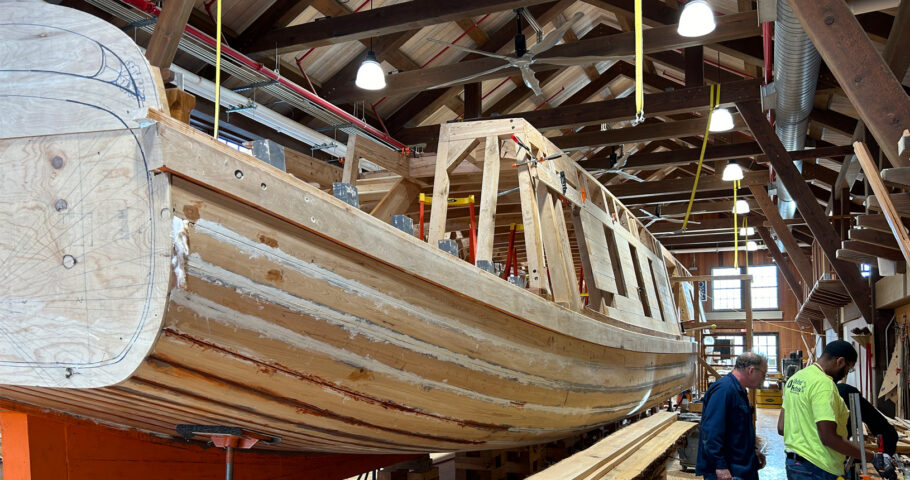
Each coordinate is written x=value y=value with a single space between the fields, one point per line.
x=729 y=271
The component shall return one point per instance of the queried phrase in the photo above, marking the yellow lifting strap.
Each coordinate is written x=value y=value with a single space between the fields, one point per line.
x=713 y=99
x=451 y=201
x=639 y=68
x=217 y=67
x=735 y=227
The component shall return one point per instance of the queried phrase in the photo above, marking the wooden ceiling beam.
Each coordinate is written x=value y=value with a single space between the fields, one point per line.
x=833 y=120
x=279 y=14
x=679 y=200
x=684 y=100
x=807 y=204
x=647 y=131
x=683 y=185
x=380 y=21
x=658 y=39
x=700 y=207
x=866 y=79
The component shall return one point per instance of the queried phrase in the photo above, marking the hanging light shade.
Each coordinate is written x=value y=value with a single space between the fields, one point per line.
x=732 y=172
x=721 y=121
x=741 y=207
x=751 y=246
x=370 y=75
x=746 y=231
x=697 y=19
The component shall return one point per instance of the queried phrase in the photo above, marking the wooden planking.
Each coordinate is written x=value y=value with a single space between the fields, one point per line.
x=188 y=156
x=881 y=192
x=441 y=183
x=489 y=193
x=82 y=77
x=362 y=148
x=598 y=252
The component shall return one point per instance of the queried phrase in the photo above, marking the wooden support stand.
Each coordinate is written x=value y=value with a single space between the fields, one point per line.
x=40 y=446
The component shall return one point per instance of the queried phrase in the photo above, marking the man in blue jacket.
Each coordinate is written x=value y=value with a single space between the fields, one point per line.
x=726 y=443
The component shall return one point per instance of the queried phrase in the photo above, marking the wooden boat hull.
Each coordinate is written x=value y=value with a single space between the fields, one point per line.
x=184 y=282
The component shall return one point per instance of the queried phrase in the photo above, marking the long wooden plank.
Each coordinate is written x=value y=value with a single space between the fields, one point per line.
x=866 y=79
x=604 y=451
x=660 y=447
x=641 y=133
x=565 y=290
x=310 y=169
x=399 y=200
x=489 y=194
x=881 y=192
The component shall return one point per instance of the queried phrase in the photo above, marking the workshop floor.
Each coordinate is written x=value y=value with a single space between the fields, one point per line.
x=772 y=444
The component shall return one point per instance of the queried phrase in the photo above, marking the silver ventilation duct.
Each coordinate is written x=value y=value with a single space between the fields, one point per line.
x=796 y=63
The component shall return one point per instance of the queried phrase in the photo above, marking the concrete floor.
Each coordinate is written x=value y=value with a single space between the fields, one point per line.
x=772 y=444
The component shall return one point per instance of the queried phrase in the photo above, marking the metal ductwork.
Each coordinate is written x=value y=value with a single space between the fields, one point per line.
x=796 y=63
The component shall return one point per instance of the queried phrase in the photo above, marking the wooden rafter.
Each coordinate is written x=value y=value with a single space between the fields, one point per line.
x=865 y=77
x=807 y=205
x=379 y=21
x=621 y=45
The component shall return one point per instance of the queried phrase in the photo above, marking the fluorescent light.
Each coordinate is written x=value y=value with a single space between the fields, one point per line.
x=370 y=75
x=697 y=19
x=732 y=171
x=751 y=246
x=746 y=231
x=741 y=207
x=721 y=120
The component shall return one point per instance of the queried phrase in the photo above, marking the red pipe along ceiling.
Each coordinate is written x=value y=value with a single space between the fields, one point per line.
x=151 y=9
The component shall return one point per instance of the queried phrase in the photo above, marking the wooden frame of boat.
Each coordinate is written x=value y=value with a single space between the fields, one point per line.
x=154 y=277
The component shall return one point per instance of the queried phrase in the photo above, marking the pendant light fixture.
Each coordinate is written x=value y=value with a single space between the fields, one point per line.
x=741 y=207
x=746 y=231
x=732 y=171
x=721 y=120
x=751 y=246
x=696 y=19
x=370 y=75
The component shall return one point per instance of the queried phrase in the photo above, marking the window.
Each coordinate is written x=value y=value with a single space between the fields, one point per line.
x=727 y=294
x=766 y=344
x=764 y=287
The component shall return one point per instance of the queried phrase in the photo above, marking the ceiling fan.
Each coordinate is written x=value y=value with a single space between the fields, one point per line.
x=655 y=217
x=615 y=167
x=525 y=57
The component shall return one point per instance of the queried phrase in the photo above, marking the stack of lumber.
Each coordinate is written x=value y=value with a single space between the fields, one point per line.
x=620 y=456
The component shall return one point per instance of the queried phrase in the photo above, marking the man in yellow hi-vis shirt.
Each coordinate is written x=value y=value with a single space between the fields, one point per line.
x=813 y=418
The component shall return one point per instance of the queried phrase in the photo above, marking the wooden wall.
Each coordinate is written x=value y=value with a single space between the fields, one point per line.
x=785 y=326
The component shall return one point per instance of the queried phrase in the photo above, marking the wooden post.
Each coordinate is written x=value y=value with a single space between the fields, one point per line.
x=352 y=161
x=530 y=215
x=168 y=30
x=486 y=222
